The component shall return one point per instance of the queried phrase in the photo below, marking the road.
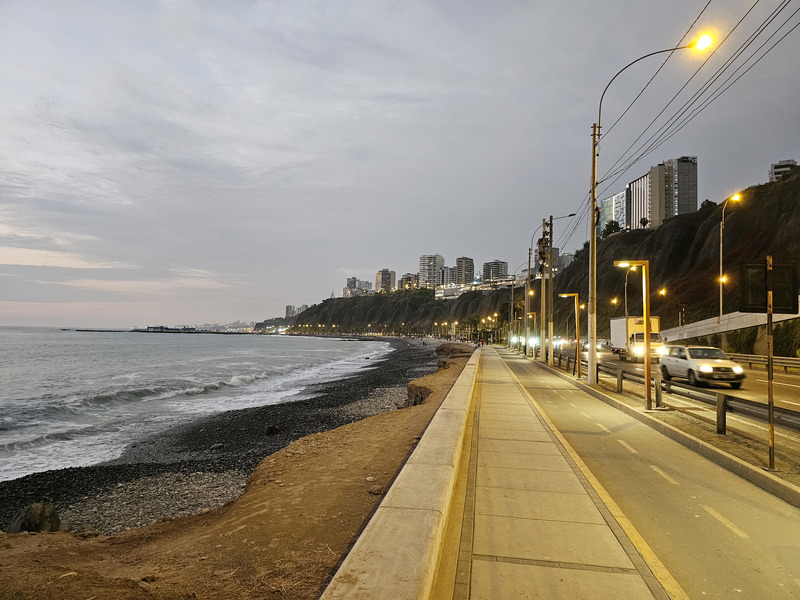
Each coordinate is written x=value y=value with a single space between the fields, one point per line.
x=718 y=535
x=786 y=387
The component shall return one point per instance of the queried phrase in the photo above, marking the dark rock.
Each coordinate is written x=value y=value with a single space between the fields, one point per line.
x=36 y=517
x=273 y=429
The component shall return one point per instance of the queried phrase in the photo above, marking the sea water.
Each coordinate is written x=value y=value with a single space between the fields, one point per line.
x=72 y=398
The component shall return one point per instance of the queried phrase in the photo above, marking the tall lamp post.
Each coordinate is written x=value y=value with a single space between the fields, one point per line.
x=701 y=44
x=722 y=278
x=645 y=264
x=511 y=320
x=577 y=328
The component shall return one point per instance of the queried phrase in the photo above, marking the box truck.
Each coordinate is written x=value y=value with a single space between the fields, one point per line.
x=627 y=338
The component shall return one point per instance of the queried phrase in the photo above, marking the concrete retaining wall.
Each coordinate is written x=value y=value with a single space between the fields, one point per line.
x=397 y=553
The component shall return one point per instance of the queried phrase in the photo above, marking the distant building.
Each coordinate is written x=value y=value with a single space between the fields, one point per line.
x=780 y=168
x=493 y=270
x=466 y=270
x=409 y=281
x=430 y=270
x=639 y=193
x=449 y=276
x=385 y=281
x=673 y=189
x=667 y=190
x=614 y=208
x=291 y=311
x=356 y=287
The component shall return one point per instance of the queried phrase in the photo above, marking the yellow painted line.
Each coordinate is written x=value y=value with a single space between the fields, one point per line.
x=725 y=522
x=628 y=447
x=665 y=578
x=664 y=475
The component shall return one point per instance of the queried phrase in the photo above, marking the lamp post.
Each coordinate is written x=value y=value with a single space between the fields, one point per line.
x=722 y=278
x=577 y=328
x=701 y=44
x=627 y=272
x=511 y=319
x=646 y=313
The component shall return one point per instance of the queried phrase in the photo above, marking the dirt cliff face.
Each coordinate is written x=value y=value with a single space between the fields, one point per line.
x=684 y=254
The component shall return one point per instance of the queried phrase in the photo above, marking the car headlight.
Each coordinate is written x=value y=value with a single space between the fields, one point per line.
x=638 y=350
x=738 y=370
x=661 y=350
x=706 y=369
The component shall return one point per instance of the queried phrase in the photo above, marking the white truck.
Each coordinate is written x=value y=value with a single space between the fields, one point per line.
x=627 y=338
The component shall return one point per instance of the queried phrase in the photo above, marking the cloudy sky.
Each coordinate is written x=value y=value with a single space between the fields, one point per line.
x=186 y=162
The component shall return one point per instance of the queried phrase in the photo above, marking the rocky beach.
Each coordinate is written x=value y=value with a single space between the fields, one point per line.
x=204 y=464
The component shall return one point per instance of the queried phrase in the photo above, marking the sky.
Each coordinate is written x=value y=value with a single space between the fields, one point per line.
x=183 y=162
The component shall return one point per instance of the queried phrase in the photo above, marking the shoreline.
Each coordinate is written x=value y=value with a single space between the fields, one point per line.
x=201 y=465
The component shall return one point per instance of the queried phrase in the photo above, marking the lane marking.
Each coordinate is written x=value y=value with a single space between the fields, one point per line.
x=585 y=415
x=628 y=447
x=725 y=522
x=778 y=383
x=603 y=427
x=664 y=475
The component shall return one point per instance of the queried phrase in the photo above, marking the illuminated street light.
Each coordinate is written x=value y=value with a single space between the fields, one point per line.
x=577 y=328
x=722 y=278
x=703 y=43
x=645 y=264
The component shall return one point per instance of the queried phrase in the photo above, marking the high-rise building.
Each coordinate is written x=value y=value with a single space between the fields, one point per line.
x=385 y=281
x=430 y=269
x=639 y=194
x=673 y=189
x=290 y=311
x=409 y=281
x=495 y=269
x=667 y=190
x=780 y=168
x=356 y=287
x=465 y=268
x=613 y=208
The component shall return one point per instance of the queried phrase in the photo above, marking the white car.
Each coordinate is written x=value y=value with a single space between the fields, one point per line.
x=700 y=365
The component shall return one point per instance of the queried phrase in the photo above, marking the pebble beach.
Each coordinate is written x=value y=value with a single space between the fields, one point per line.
x=204 y=464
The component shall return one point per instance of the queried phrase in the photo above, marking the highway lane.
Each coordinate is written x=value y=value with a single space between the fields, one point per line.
x=786 y=387
x=718 y=535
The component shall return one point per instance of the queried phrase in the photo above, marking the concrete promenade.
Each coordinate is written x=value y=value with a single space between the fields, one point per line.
x=495 y=507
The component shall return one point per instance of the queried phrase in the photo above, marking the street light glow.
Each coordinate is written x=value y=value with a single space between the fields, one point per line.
x=704 y=42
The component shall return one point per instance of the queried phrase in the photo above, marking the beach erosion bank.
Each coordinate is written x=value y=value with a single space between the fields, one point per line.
x=203 y=464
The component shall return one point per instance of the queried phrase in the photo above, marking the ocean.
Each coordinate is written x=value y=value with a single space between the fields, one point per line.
x=71 y=398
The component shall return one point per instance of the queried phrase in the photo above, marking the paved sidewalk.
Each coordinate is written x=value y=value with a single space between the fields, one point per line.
x=533 y=527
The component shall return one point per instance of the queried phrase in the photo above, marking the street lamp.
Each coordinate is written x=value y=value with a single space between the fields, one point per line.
x=511 y=320
x=645 y=264
x=722 y=278
x=702 y=43
x=577 y=328
x=627 y=272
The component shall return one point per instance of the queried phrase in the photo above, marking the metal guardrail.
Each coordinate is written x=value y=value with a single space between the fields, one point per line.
x=779 y=361
x=724 y=402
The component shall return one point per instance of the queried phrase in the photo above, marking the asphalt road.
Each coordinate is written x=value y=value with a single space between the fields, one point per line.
x=718 y=535
x=786 y=387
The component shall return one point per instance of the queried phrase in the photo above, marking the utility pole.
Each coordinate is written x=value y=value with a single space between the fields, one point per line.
x=542 y=261
x=550 y=278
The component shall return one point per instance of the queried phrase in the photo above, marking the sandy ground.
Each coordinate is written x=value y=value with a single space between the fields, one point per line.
x=283 y=538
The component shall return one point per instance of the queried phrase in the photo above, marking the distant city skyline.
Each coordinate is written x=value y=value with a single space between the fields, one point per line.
x=196 y=162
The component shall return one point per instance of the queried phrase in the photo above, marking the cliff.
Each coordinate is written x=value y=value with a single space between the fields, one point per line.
x=683 y=255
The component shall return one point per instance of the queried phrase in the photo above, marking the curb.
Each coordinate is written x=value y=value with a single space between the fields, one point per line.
x=397 y=553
